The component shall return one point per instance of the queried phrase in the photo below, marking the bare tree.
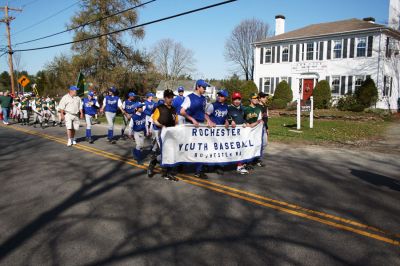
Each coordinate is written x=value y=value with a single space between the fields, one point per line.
x=238 y=48
x=172 y=60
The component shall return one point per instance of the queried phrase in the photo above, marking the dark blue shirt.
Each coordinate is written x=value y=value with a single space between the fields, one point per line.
x=139 y=122
x=177 y=103
x=89 y=106
x=220 y=113
x=197 y=107
x=111 y=104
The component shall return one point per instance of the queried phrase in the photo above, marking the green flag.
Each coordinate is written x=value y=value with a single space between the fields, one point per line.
x=81 y=84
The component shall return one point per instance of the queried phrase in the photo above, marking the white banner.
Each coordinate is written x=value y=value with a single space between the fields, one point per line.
x=214 y=146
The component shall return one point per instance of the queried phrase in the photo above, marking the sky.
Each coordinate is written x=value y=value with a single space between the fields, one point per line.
x=205 y=33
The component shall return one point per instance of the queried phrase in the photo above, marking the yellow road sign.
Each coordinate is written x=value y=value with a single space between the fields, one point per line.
x=23 y=81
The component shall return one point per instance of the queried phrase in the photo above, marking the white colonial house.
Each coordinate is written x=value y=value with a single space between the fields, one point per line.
x=343 y=52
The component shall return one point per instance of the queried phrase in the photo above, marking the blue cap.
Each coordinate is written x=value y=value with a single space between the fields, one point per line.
x=181 y=89
x=150 y=94
x=202 y=83
x=112 y=89
x=73 y=88
x=160 y=102
x=131 y=94
x=223 y=93
x=91 y=93
x=139 y=105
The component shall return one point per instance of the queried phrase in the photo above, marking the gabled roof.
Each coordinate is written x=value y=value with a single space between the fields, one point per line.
x=329 y=28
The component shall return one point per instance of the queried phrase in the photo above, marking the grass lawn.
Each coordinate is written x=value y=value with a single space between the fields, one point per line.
x=332 y=131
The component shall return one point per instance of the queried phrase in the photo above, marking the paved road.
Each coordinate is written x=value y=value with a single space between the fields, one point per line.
x=92 y=205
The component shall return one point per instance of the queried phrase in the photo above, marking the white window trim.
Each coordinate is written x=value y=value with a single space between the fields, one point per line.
x=263 y=88
x=288 y=53
x=270 y=56
x=306 y=51
x=340 y=80
x=333 y=49
x=356 y=47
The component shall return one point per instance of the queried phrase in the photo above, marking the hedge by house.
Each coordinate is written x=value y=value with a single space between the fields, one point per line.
x=283 y=92
x=322 y=95
x=367 y=94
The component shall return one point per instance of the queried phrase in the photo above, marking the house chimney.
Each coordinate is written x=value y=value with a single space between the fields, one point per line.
x=279 y=24
x=370 y=20
x=394 y=14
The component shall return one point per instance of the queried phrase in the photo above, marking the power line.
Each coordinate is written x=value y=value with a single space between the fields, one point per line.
x=129 y=28
x=86 y=23
x=47 y=18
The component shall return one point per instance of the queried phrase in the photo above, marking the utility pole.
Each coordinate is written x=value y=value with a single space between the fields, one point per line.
x=7 y=21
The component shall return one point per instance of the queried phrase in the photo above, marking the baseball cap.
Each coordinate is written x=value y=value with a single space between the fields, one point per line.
x=139 y=105
x=131 y=94
x=91 y=93
x=202 y=83
x=73 y=88
x=160 y=102
x=150 y=94
x=169 y=93
x=236 y=95
x=223 y=93
x=112 y=89
x=254 y=96
x=181 y=89
x=262 y=94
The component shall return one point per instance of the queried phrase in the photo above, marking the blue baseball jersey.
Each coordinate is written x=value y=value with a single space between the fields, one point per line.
x=139 y=122
x=130 y=106
x=89 y=106
x=150 y=106
x=111 y=103
x=177 y=103
x=219 y=113
x=197 y=107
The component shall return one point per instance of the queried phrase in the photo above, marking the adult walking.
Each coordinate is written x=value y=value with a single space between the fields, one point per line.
x=6 y=102
x=70 y=107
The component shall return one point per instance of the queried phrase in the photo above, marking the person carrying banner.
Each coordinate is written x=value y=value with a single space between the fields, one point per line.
x=89 y=107
x=177 y=103
x=193 y=109
x=217 y=112
x=111 y=103
x=129 y=107
x=70 y=108
x=140 y=131
x=253 y=117
x=163 y=116
x=37 y=111
x=148 y=109
x=235 y=118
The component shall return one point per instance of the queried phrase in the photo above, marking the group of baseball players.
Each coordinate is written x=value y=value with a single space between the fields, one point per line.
x=145 y=118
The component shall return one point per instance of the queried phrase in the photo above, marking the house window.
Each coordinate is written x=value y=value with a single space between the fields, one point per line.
x=268 y=55
x=335 y=84
x=267 y=85
x=387 y=86
x=285 y=54
x=361 y=47
x=359 y=81
x=337 y=49
x=310 y=51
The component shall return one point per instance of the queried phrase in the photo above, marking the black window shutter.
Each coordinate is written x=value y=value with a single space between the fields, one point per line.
x=277 y=81
x=352 y=41
x=278 y=55
x=321 y=51
x=329 y=50
x=291 y=53
x=260 y=88
x=343 y=86
x=345 y=48
x=350 y=85
x=368 y=76
x=387 y=47
x=272 y=86
x=391 y=84
x=302 y=53
x=273 y=54
x=262 y=56
x=290 y=82
x=370 y=45
x=328 y=79
x=385 y=92
x=297 y=52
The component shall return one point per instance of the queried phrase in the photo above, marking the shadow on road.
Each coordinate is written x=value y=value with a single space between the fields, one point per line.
x=377 y=179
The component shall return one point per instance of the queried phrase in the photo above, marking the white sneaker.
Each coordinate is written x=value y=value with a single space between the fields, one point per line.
x=69 y=143
x=242 y=170
x=73 y=142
